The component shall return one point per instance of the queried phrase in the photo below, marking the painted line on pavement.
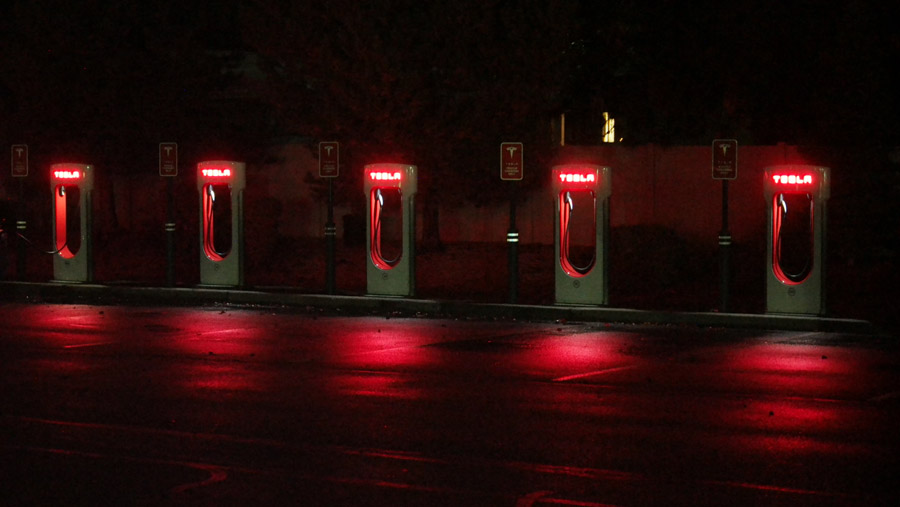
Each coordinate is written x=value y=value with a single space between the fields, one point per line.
x=579 y=376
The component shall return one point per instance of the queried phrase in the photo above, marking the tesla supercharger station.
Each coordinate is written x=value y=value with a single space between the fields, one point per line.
x=796 y=196
x=390 y=229
x=71 y=186
x=221 y=186
x=581 y=205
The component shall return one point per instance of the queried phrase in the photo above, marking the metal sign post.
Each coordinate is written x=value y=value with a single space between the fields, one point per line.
x=168 y=168
x=329 y=167
x=512 y=168
x=19 y=167
x=724 y=167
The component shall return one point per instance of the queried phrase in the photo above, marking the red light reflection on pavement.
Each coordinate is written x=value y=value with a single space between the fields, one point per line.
x=222 y=376
x=226 y=341
x=216 y=338
x=205 y=340
x=791 y=369
x=794 y=399
x=383 y=348
x=67 y=326
x=375 y=353
x=375 y=384
x=793 y=416
x=576 y=357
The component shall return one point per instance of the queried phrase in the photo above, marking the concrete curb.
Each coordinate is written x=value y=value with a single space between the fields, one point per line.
x=279 y=297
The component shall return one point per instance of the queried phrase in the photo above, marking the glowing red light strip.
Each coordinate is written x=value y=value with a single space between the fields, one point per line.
x=577 y=178
x=216 y=173
x=793 y=179
x=67 y=175
x=384 y=176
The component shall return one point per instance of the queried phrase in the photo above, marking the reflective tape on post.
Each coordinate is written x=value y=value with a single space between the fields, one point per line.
x=512 y=237
x=724 y=240
x=170 y=226
x=330 y=230
x=21 y=224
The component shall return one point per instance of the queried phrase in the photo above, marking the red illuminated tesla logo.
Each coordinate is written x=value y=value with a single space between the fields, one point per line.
x=217 y=173
x=67 y=175
x=793 y=179
x=577 y=178
x=384 y=176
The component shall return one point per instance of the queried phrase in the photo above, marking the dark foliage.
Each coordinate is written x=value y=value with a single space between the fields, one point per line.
x=104 y=82
x=437 y=84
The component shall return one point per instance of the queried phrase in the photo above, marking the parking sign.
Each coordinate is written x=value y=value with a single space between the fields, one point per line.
x=511 y=161
x=724 y=159
x=329 y=159
x=19 y=160
x=168 y=159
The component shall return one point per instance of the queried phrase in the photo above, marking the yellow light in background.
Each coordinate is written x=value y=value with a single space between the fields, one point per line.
x=609 y=129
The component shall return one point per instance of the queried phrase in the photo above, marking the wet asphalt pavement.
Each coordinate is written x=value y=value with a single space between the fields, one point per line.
x=115 y=405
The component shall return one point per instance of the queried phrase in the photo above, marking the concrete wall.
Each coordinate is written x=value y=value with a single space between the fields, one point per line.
x=651 y=185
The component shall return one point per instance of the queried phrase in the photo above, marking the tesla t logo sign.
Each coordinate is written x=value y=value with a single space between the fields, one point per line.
x=511 y=161
x=217 y=173
x=328 y=159
x=724 y=159
x=168 y=159
x=19 y=160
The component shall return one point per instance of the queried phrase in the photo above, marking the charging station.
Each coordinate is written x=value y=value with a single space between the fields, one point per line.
x=796 y=197
x=390 y=229
x=221 y=187
x=71 y=186
x=581 y=194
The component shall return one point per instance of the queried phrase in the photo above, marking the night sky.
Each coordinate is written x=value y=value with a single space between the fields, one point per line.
x=116 y=75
